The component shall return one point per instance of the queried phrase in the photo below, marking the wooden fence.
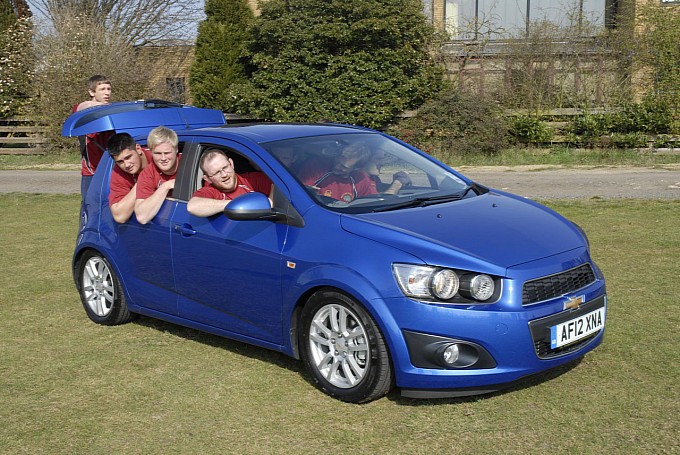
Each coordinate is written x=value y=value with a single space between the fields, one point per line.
x=21 y=136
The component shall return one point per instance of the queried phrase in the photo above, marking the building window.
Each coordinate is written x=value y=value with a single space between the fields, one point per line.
x=503 y=19
x=176 y=89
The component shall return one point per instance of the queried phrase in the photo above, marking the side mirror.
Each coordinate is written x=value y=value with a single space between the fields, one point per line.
x=252 y=207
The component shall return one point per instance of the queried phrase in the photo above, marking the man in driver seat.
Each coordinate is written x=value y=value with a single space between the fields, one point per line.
x=342 y=178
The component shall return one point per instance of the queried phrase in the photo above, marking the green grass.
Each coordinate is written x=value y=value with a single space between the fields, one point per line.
x=68 y=385
x=511 y=157
x=563 y=156
x=47 y=162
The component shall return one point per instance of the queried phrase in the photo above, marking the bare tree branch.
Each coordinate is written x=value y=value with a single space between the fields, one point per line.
x=140 y=21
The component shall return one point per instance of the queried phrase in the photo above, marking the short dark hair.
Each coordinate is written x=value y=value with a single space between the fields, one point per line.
x=95 y=80
x=119 y=142
x=209 y=154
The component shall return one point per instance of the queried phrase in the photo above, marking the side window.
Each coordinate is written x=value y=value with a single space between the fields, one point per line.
x=241 y=164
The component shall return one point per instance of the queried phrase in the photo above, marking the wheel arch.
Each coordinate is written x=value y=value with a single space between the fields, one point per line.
x=354 y=286
x=85 y=248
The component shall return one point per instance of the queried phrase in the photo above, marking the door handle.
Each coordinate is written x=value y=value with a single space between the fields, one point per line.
x=185 y=229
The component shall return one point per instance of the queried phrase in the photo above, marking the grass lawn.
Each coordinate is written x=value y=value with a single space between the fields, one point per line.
x=68 y=385
x=510 y=157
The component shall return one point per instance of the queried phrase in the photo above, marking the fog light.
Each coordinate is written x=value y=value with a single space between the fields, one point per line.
x=451 y=354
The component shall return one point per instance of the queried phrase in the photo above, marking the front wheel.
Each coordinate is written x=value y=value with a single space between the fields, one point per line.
x=100 y=290
x=343 y=348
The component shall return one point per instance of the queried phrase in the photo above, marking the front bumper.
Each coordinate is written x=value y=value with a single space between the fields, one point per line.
x=511 y=344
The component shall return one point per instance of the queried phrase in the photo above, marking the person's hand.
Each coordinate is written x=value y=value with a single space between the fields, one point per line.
x=169 y=185
x=402 y=177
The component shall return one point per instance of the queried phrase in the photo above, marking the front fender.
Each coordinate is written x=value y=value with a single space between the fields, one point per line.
x=357 y=286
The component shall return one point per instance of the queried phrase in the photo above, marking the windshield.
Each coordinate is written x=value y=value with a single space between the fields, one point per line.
x=367 y=172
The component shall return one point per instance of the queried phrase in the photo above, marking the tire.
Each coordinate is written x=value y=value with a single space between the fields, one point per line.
x=343 y=348
x=100 y=290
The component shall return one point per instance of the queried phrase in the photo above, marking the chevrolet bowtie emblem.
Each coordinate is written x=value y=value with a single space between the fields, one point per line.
x=574 y=302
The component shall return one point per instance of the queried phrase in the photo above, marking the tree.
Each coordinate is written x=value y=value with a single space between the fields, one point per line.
x=16 y=61
x=358 y=62
x=86 y=37
x=68 y=57
x=218 y=55
x=7 y=16
x=658 y=52
x=138 y=21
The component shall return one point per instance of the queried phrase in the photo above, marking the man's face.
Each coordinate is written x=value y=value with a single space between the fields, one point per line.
x=219 y=171
x=345 y=163
x=130 y=160
x=102 y=94
x=165 y=157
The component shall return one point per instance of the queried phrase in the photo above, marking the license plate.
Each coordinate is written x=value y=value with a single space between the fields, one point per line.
x=577 y=328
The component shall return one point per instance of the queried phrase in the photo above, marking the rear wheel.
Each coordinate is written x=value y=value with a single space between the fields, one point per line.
x=100 y=290
x=343 y=348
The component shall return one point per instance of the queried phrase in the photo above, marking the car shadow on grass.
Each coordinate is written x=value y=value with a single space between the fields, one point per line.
x=283 y=361
x=236 y=347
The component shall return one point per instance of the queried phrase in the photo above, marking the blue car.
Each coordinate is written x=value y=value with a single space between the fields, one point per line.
x=441 y=287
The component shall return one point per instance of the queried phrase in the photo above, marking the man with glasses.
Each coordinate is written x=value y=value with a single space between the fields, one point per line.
x=224 y=184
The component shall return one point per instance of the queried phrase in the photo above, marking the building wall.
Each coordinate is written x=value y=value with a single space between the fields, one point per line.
x=169 y=64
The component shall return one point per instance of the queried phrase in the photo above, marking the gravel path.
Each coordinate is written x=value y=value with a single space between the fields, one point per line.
x=538 y=182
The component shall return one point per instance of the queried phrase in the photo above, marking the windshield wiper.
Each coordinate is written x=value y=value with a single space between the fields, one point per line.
x=425 y=201
x=422 y=202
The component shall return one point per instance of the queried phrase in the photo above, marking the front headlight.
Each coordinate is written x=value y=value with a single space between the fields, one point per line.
x=423 y=282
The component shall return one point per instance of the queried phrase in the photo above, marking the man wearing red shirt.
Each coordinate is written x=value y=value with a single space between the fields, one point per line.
x=92 y=146
x=157 y=181
x=130 y=159
x=224 y=184
x=340 y=178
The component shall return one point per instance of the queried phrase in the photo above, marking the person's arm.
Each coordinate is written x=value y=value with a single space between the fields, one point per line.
x=203 y=206
x=400 y=179
x=146 y=209
x=122 y=210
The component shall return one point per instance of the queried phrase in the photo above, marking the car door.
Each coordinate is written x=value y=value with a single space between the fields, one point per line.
x=228 y=273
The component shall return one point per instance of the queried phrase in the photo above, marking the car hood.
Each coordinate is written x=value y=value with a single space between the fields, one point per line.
x=488 y=233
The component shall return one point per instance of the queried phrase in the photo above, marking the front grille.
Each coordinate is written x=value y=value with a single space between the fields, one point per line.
x=556 y=285
x=544 y=351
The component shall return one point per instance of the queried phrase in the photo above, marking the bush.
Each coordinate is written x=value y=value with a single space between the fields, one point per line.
x=626 y=128
x=219 y=48
x=456 y=123
x=359 y=62
x=16 y=67
x=529 y=129
x=67 y=57
x=651 y=116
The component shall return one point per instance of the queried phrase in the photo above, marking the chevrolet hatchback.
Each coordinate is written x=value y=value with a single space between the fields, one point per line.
x=442 y=288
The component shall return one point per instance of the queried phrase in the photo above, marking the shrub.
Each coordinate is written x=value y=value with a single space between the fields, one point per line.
x=219 y=47
x=359 y=62
x=626 y=128
x=67 y=57
x=454 y=124
x=650 y=116
x=529 y=129
x=624 y=140
x=16 y=67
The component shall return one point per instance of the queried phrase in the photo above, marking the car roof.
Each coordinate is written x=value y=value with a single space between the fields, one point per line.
x=139 y=117
x=268 y=132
